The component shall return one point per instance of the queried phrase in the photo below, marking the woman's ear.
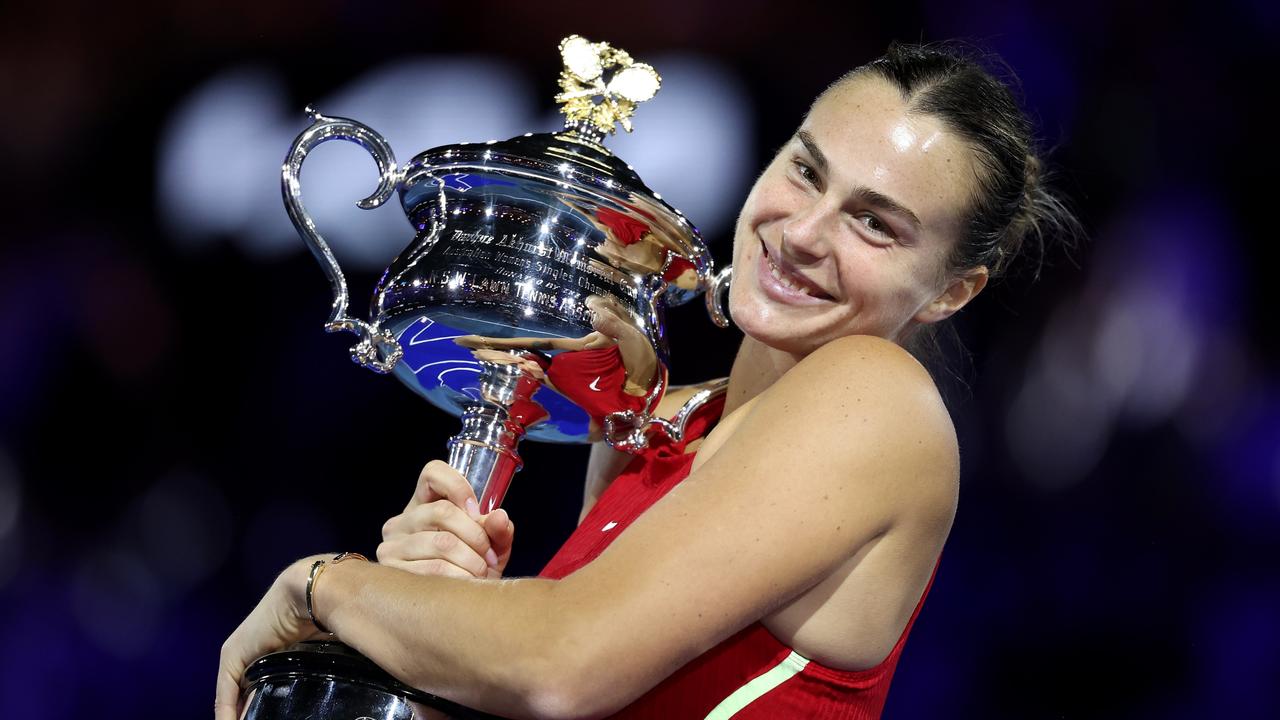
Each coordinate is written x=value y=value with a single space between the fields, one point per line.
x=959 y=291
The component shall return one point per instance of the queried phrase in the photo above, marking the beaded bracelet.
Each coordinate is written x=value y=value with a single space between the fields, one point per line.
x=316 y=568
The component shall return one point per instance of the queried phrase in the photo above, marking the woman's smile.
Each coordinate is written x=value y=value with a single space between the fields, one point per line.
x=783 y=283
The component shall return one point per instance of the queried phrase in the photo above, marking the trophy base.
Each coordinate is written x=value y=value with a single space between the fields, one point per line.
x=326 y=679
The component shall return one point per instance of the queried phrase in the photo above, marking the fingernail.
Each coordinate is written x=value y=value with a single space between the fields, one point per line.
x=491 y=558
x=473 y=509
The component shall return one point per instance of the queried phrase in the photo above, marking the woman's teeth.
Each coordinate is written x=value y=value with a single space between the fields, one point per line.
x=784 y=280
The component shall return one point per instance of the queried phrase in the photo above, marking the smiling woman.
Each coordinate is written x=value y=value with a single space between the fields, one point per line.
x=771 y=561
x=848 y=229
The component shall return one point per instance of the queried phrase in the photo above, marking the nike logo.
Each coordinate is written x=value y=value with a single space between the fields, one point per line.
x=592 y=384
x=611 y=525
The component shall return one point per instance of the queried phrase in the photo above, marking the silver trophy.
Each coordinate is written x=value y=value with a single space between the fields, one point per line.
x=529 y=304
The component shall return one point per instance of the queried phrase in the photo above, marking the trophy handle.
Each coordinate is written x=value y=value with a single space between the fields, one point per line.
x=715 y=296
x=377 y=350
x=629 y=431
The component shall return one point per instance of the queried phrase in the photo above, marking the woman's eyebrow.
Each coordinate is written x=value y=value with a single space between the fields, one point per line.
x=812 y=146
x=863 y=193
x=884 y=202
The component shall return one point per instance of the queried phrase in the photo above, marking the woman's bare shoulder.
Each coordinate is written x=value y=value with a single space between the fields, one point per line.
x=859 y=370
x=865 y=353
x=861 y=407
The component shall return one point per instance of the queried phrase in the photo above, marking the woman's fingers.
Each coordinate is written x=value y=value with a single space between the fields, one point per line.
x=438 y=480
x=441 y=531
x=431 y=545
x=439 y=515
x=276 y=622
x=226 y=701
x=422 y=490
x=501 y=532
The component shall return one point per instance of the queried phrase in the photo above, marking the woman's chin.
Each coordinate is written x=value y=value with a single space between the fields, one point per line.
x=770 y=327
x=779 y=336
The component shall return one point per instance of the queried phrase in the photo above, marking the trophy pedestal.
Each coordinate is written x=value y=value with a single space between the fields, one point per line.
x=326 y=679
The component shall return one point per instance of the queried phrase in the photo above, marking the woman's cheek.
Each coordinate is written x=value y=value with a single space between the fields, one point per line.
x=743 y=308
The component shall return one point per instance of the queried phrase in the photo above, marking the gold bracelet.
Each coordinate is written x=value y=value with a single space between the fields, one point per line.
x=316 y=568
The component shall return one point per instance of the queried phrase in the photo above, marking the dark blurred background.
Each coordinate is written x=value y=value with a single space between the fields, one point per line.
x=175 y=427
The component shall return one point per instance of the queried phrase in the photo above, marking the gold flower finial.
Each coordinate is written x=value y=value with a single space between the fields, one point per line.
x=586 y=65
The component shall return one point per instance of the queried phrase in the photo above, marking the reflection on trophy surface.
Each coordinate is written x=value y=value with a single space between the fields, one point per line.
x=611 y=369
x=529 y=303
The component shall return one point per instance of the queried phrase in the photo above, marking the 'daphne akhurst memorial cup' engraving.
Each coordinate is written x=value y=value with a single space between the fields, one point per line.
x=529 y=304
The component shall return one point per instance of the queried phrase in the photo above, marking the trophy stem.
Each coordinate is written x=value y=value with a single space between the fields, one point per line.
x=487 y=465
x=485 y=449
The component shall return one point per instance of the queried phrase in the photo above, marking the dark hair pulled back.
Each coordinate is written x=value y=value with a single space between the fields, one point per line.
x=1014 y=212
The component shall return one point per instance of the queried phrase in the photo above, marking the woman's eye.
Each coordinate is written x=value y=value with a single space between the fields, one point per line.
x=807 y=173
x=875 y=225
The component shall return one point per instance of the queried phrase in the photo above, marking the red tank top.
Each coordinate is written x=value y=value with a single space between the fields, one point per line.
x=751 y=675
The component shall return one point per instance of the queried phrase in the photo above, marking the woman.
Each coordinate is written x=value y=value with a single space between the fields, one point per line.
x=776 y=571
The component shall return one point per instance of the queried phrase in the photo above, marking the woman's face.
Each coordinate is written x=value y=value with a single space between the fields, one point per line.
x=848 y=229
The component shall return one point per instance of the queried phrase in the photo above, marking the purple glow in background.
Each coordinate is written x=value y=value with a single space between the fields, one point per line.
x=175 y=426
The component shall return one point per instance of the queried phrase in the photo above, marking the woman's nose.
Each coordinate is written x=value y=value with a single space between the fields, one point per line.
x=804 y=234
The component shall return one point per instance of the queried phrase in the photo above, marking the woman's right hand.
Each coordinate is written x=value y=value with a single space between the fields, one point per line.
x=441 y=531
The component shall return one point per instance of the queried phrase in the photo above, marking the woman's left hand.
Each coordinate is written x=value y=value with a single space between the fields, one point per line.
x=279 y=620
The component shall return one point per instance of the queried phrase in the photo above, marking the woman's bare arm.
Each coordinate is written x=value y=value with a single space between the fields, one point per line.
x=843 y=447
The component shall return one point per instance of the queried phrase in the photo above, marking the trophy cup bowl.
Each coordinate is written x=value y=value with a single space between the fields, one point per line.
x=529 y=304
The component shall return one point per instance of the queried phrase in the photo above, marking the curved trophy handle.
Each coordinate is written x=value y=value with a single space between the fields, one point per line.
x=715 y=296
x=377 y=349
x=629 y=431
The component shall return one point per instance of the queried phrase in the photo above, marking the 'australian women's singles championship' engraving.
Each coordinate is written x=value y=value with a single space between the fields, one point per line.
x=550 y=277
x=575 y=259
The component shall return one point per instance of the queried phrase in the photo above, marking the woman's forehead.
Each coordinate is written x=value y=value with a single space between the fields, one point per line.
x=871 y=138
